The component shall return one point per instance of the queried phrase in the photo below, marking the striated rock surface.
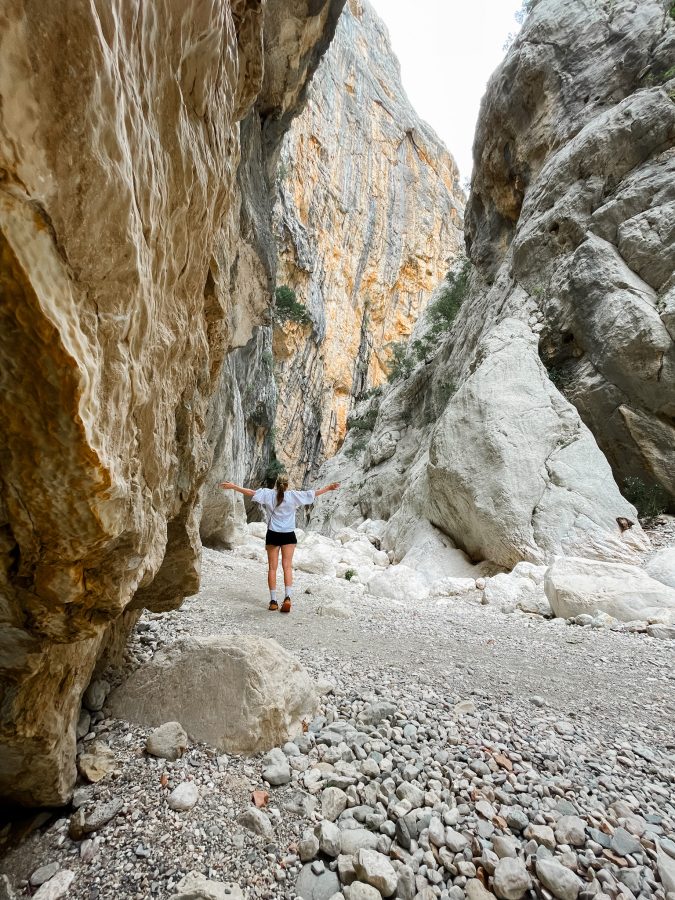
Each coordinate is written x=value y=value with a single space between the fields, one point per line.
x=369 y=212
x=254 y=693
x=133 y=255
x=555 y=380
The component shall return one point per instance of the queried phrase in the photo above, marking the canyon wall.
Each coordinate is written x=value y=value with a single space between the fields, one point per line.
x=556 y=379
x=368 y=218
x=134 y=255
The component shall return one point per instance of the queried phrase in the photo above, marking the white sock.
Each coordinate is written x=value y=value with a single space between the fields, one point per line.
x=273 y=596
x=289 y=591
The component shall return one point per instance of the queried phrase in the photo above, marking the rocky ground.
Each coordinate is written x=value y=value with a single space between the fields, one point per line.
x=459 y=751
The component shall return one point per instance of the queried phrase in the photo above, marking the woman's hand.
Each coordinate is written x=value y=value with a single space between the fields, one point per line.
x=334 y=486
x=227 y=486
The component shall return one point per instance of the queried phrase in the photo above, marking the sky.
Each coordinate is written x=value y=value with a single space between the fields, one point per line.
x=448 y=49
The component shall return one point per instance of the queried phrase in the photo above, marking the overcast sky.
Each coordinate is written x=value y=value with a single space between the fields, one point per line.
x=448 y=49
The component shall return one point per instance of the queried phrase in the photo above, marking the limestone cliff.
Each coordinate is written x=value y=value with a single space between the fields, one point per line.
x=368 y=216
x=134 y=254
x=560 y=362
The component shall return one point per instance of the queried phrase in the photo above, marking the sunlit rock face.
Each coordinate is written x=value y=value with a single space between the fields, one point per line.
x=132 y=259
x=368 y=217
x=557 y=379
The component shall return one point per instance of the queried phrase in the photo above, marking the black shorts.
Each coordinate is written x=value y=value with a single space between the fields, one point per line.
x=280 y=538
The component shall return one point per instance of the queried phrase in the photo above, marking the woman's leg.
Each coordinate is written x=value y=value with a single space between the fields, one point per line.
x=272 y=563
x=287 y=552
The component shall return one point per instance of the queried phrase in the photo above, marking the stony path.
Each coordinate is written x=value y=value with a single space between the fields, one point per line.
x=464 y=737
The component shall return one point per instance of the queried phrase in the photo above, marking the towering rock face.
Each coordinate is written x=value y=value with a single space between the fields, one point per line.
x=369 y=214
x=133 y=256
x=561 y=361
x=575 y=167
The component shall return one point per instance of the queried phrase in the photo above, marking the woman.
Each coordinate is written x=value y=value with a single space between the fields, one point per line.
x=279 y=505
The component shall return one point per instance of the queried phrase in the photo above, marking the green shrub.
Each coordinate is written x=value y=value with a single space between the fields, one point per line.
x=672 y=11
x=400 y=365
x=649 y=499
x=443 y=311
x=369 y=394
x=274 y=468
x=349 y=574
x=288 y=306
x=365 y=422
x=444 y=392
x=357 y=446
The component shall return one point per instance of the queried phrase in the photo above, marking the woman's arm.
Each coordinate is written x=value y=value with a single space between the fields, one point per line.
x=228 y=486
x=331 y=487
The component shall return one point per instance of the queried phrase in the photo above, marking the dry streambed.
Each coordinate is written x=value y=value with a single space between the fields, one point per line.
x=458 y=752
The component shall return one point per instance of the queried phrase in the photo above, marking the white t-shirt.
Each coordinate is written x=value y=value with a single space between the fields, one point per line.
x=282 y=517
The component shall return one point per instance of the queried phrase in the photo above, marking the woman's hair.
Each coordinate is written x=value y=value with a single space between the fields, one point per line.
x=282 y=485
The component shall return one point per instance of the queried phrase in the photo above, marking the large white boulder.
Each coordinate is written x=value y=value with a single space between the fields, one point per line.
x=513 y=472
x=398 y=583
x=662 y=566
x=435 y=557
x=577 y=586
x=523 y=589
x=241 y=694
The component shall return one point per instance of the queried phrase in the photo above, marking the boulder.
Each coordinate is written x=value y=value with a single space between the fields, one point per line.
x=398 y=583
x=661 y=566
x=239 y=694
x=583 y=586
x=523 y=589
x=197 y=887
x=514 y=475
x=169 y=741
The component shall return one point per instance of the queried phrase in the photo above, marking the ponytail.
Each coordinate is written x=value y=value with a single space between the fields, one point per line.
x=282 y=485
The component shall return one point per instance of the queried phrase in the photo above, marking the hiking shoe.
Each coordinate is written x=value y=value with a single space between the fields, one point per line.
x=274 y=606
x=286 y=605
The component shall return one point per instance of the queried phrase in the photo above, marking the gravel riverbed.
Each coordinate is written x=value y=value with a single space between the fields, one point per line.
x=459 y=752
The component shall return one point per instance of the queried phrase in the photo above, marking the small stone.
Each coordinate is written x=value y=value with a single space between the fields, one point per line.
x=276 y=770
x=56 y=887
x=333 y=803
x=183 y=797
x=516 y=819
x=316 y=887
x=623 y=842
x=485 y=809
x=257 y=821
x=318 y=867
x=44 y=873
x=95 y=695
x=542 y=834
x=376 y=870
x=83 y=724
x=511 y=879
x=329 y=838
x=454 y=840
x=536 y=700
x=559 y=880
x=358 y=839
x=505 y=847
x=97 y=762
x=476 y=890
x=361 y=891
x=169 y=741
x=196 y=886
x=308 y=846
x=571 y=830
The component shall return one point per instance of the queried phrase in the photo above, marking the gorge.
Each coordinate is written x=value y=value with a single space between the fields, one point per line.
x=490 y=378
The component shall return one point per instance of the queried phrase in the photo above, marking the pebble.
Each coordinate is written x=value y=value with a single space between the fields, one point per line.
x=169 y=741
x=183 y=797
x=44 y=873
x=511 y=879
x=559 y=880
